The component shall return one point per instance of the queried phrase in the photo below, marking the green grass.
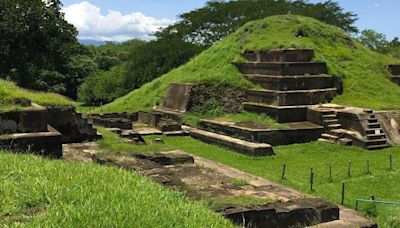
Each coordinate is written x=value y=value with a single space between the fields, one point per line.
x=261 y=120
x=366 y=82
x=9 y=92
x=300 y=158
x=36 y=192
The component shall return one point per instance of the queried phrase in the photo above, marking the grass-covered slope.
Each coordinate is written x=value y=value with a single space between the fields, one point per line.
x=366 y=82
x=10 y=93
x=36 y=192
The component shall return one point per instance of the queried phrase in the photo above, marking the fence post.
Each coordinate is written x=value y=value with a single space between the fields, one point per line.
x=283 y=172
x=349 y=169
x=368 y=171
x=311 y=179
x=330 y=174
x=343 y=188
x=390 y=162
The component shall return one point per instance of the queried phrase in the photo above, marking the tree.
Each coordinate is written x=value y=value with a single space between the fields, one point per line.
x=374 y=40
x=37 y=44
x=217 y=19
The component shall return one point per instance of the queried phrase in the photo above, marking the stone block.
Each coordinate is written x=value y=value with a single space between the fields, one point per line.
x=177 y=97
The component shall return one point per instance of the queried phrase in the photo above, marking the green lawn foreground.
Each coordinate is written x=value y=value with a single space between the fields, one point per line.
x=37 y=192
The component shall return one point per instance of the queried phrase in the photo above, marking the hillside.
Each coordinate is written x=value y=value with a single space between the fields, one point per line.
x=37 y=192
x=12 y=95
x=366 y=82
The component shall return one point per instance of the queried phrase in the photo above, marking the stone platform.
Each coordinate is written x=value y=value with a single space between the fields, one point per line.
x=290 y=82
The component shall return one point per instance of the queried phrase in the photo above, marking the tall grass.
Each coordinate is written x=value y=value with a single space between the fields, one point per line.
x=36 y=192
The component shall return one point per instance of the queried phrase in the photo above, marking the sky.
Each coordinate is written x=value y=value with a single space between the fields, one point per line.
x=120 y=20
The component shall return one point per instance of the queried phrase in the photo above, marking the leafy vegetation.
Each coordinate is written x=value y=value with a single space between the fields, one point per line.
x=38 y=192
x=218 y=19
x=378 y=42
x=39 y=49
x=10 y=95
x=366 y=82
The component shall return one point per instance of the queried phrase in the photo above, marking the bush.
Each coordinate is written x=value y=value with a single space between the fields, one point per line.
x=102 y=86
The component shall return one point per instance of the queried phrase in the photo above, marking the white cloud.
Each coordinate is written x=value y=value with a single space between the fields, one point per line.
x=114 y=26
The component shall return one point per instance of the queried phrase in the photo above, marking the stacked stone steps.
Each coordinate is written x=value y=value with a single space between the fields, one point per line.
x=283 y=69
x=333 y=129
x=292 y=97
x=395 y=72
x=375 y=136
x=298 y=82
x=290 y=83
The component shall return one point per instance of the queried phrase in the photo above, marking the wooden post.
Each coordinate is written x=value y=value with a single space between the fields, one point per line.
x=349 y=169
x=343 y=188
x=390 y=162
x=368 y=171
x=283 y=172
x=311 y=179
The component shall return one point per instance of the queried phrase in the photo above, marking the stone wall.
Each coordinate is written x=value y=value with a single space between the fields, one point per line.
x=25 y=121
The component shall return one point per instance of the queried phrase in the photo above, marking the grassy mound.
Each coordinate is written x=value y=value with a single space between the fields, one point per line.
x=366 y=81
x=10 y=95
x=38 y=192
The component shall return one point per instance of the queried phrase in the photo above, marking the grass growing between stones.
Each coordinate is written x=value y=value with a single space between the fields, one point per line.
x=299 y=159
x=261 y=120
x=37 y=192
x=366 y=81
x=9 y=93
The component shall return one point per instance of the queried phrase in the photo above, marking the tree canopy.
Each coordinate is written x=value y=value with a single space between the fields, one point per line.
x=37 y=46
x=219 y=18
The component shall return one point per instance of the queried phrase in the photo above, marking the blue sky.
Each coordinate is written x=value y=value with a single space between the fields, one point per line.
x=139 y=18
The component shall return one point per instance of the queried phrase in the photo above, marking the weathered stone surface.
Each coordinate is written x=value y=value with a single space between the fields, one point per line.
x=40 y=143
x=150 y=118
x=283 y=69
x=177 y=97
x=24 y=121
x=242 y=146
x=120 y=123
x=396 y=79
x=303 y=82
x=292 y=97
x=72 y=125
x=294 y=213
x=280 y=55
x=297 y=132
x=390 y=122
x=394 y=69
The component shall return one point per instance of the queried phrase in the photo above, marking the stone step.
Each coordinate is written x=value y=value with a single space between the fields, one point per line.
x=329 y=137
x=334 y=126
x=280 y=55
x=293 y=82
x=329 y=117
x=373 y=120
x=377 y=147
x=281 y=69
x=374 y=131
x=292 y=97
x=395 y=79
x=373 y=136
x=282 y=114
x=242 y=146
x=374 y=125
x=376 y=142
x=331 y=121
x=394 y=69
x=326 y=141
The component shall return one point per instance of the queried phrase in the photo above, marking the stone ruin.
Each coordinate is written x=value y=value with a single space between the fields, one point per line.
x=395 y=72
x=42 y=130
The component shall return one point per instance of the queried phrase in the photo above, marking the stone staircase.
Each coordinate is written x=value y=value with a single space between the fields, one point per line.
x=395 y=72
x=375 y=136
x=290 y=82
x=334 y=133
